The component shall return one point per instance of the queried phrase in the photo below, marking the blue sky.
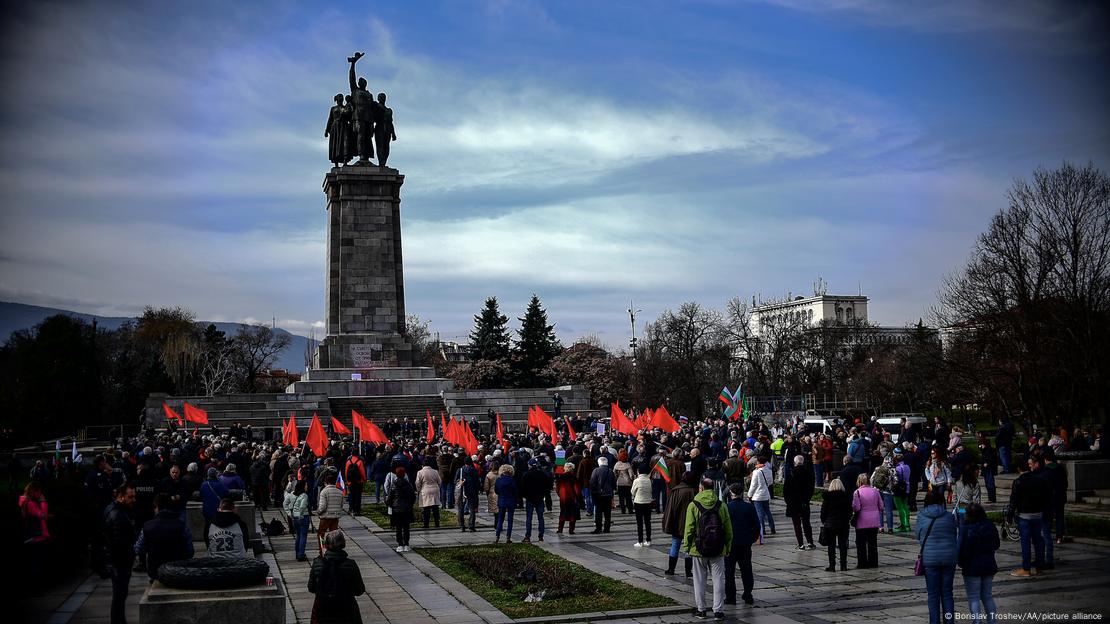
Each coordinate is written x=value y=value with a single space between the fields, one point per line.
x=172 y=153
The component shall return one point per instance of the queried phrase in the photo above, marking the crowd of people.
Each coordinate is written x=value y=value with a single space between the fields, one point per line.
x=710 y=483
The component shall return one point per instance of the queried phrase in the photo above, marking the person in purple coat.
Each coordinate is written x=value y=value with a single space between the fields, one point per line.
x=901 y=489
x=867 y=502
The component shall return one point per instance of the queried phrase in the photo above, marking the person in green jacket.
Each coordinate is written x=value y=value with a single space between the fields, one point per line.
x=708 y=545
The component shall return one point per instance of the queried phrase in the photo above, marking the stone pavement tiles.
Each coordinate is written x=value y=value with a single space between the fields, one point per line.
x=790 y=585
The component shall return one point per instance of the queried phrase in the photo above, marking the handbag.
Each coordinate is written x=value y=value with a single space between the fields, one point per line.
x=919 y=565
x=823 y=536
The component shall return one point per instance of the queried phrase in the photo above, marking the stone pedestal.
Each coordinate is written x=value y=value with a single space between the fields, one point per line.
x=261 y=604
x=365 y=288
x=194 y=518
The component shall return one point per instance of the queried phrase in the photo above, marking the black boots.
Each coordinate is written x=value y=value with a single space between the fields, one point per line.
x=671 y=563
x=689 y=567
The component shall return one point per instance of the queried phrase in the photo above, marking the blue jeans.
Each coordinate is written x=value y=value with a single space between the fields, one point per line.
x=446 y=491
x=499 y=521
x=818 y=474
x=988 y=478
x=888 y=510
x=979 y=598
x=529 y=507
x=1046 y=536
x=378 y=491
x=1004 y=458
x=676 y=547
x=938 y=583
x=659 y=494
x=763 y=511
x=300 y=536
x=1032 y=531
x=589 y=500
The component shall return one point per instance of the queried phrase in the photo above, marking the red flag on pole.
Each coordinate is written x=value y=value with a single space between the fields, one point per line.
x=358 y=421
x=172 y=415
x=431 y=428
x=443 y=425
x=317 y=438
x=501 y=435
x=290 y=436
x=372 y=433
x=196 y=415
x=620 y=422
x=665 y=421
x=541 y=420
x=339 y=427
x=570 y=430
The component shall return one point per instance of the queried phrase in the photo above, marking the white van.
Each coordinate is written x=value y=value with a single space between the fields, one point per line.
x=892 y=423
x=818 y=424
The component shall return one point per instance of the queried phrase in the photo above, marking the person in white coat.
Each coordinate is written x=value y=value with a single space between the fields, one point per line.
x=427 y=489
x=759 y=493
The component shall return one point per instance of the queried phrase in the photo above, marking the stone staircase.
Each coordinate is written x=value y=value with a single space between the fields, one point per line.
x=513 y=404
x=258 y=410
x=374 y=382
x=378 y=409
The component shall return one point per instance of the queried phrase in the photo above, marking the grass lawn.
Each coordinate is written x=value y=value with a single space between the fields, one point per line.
x=505 y=574
x=376 y=512
x=1076 y=525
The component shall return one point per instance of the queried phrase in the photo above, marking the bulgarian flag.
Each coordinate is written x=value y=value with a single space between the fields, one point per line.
x=665 y=472
x=727 y=399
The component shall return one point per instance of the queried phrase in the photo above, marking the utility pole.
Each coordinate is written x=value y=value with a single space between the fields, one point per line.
x=632 y=344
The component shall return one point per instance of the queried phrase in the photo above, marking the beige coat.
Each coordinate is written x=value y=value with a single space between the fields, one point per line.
x=427 y=487
x=491 y=495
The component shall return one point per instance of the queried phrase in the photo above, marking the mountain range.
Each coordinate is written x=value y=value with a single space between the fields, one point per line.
x=17 y=316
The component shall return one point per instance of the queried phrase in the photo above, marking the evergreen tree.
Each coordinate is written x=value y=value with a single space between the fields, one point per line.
x=490 y=338
x=536 y=345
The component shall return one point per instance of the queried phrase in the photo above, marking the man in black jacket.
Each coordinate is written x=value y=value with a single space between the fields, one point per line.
x=164 y=538
x=1004 y=441
x=537 y=485
x=603 y=483
x=119 y=543
x=335 y=579
x=1030 y=496
x=849 y=474
x=745 y=532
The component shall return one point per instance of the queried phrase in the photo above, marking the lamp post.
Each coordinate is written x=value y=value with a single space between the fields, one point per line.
x=632 y=344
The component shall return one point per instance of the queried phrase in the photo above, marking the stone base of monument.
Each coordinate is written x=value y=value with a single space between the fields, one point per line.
x=260 y=604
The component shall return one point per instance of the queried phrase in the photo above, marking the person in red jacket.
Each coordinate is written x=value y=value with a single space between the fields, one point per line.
x=355 y=474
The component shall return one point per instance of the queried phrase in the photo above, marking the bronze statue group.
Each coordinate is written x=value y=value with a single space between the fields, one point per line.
x=358 y=123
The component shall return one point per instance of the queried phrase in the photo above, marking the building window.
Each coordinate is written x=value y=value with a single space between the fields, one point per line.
x=848 y=314
x=839 y=315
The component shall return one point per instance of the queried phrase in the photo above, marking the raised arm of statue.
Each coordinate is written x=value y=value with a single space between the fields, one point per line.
x=351 y=74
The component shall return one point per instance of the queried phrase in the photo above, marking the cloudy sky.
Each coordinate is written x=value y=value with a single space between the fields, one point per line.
x=592 y=153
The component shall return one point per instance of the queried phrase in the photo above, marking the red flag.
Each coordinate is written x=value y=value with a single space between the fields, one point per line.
x=373 y=433
x=289 y=432
x=196 y=415
x=664 y=421
x=501 y=435
x=542 y=420
x=570 y=430
x=172 y=415
x=431 y=428
x=317 y=438
x=646 y=420
x=443 y=425
x=620 y=422
x=358 y=421
x=339 y=427
x=468 y=441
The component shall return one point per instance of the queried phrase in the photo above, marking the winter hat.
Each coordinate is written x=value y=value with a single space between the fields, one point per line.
x=212 y=474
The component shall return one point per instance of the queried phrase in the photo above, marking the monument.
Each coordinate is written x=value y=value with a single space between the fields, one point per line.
x=365 y=287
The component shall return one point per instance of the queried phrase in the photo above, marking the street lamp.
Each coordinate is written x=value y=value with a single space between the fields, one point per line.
x=632 y=310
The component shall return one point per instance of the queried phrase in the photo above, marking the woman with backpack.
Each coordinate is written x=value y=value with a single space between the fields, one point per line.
x=400 y=500
x=900 y=487
x=836 y=513
x=335 y=579
x=977 y=544
x=883 y=481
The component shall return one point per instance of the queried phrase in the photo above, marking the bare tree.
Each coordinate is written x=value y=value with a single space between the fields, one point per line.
x=254 y=350
x=1032 y=307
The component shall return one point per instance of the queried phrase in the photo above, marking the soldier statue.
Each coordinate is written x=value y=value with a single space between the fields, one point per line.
x=362 y=118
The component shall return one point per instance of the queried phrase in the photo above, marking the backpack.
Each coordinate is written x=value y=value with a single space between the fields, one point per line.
x=710 y=541
x=897 y=483
x=353 y=473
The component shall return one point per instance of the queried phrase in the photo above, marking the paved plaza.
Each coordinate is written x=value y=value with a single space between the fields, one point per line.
x=790 y=585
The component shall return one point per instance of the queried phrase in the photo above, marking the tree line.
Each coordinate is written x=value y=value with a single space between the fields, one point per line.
x=65 y=374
